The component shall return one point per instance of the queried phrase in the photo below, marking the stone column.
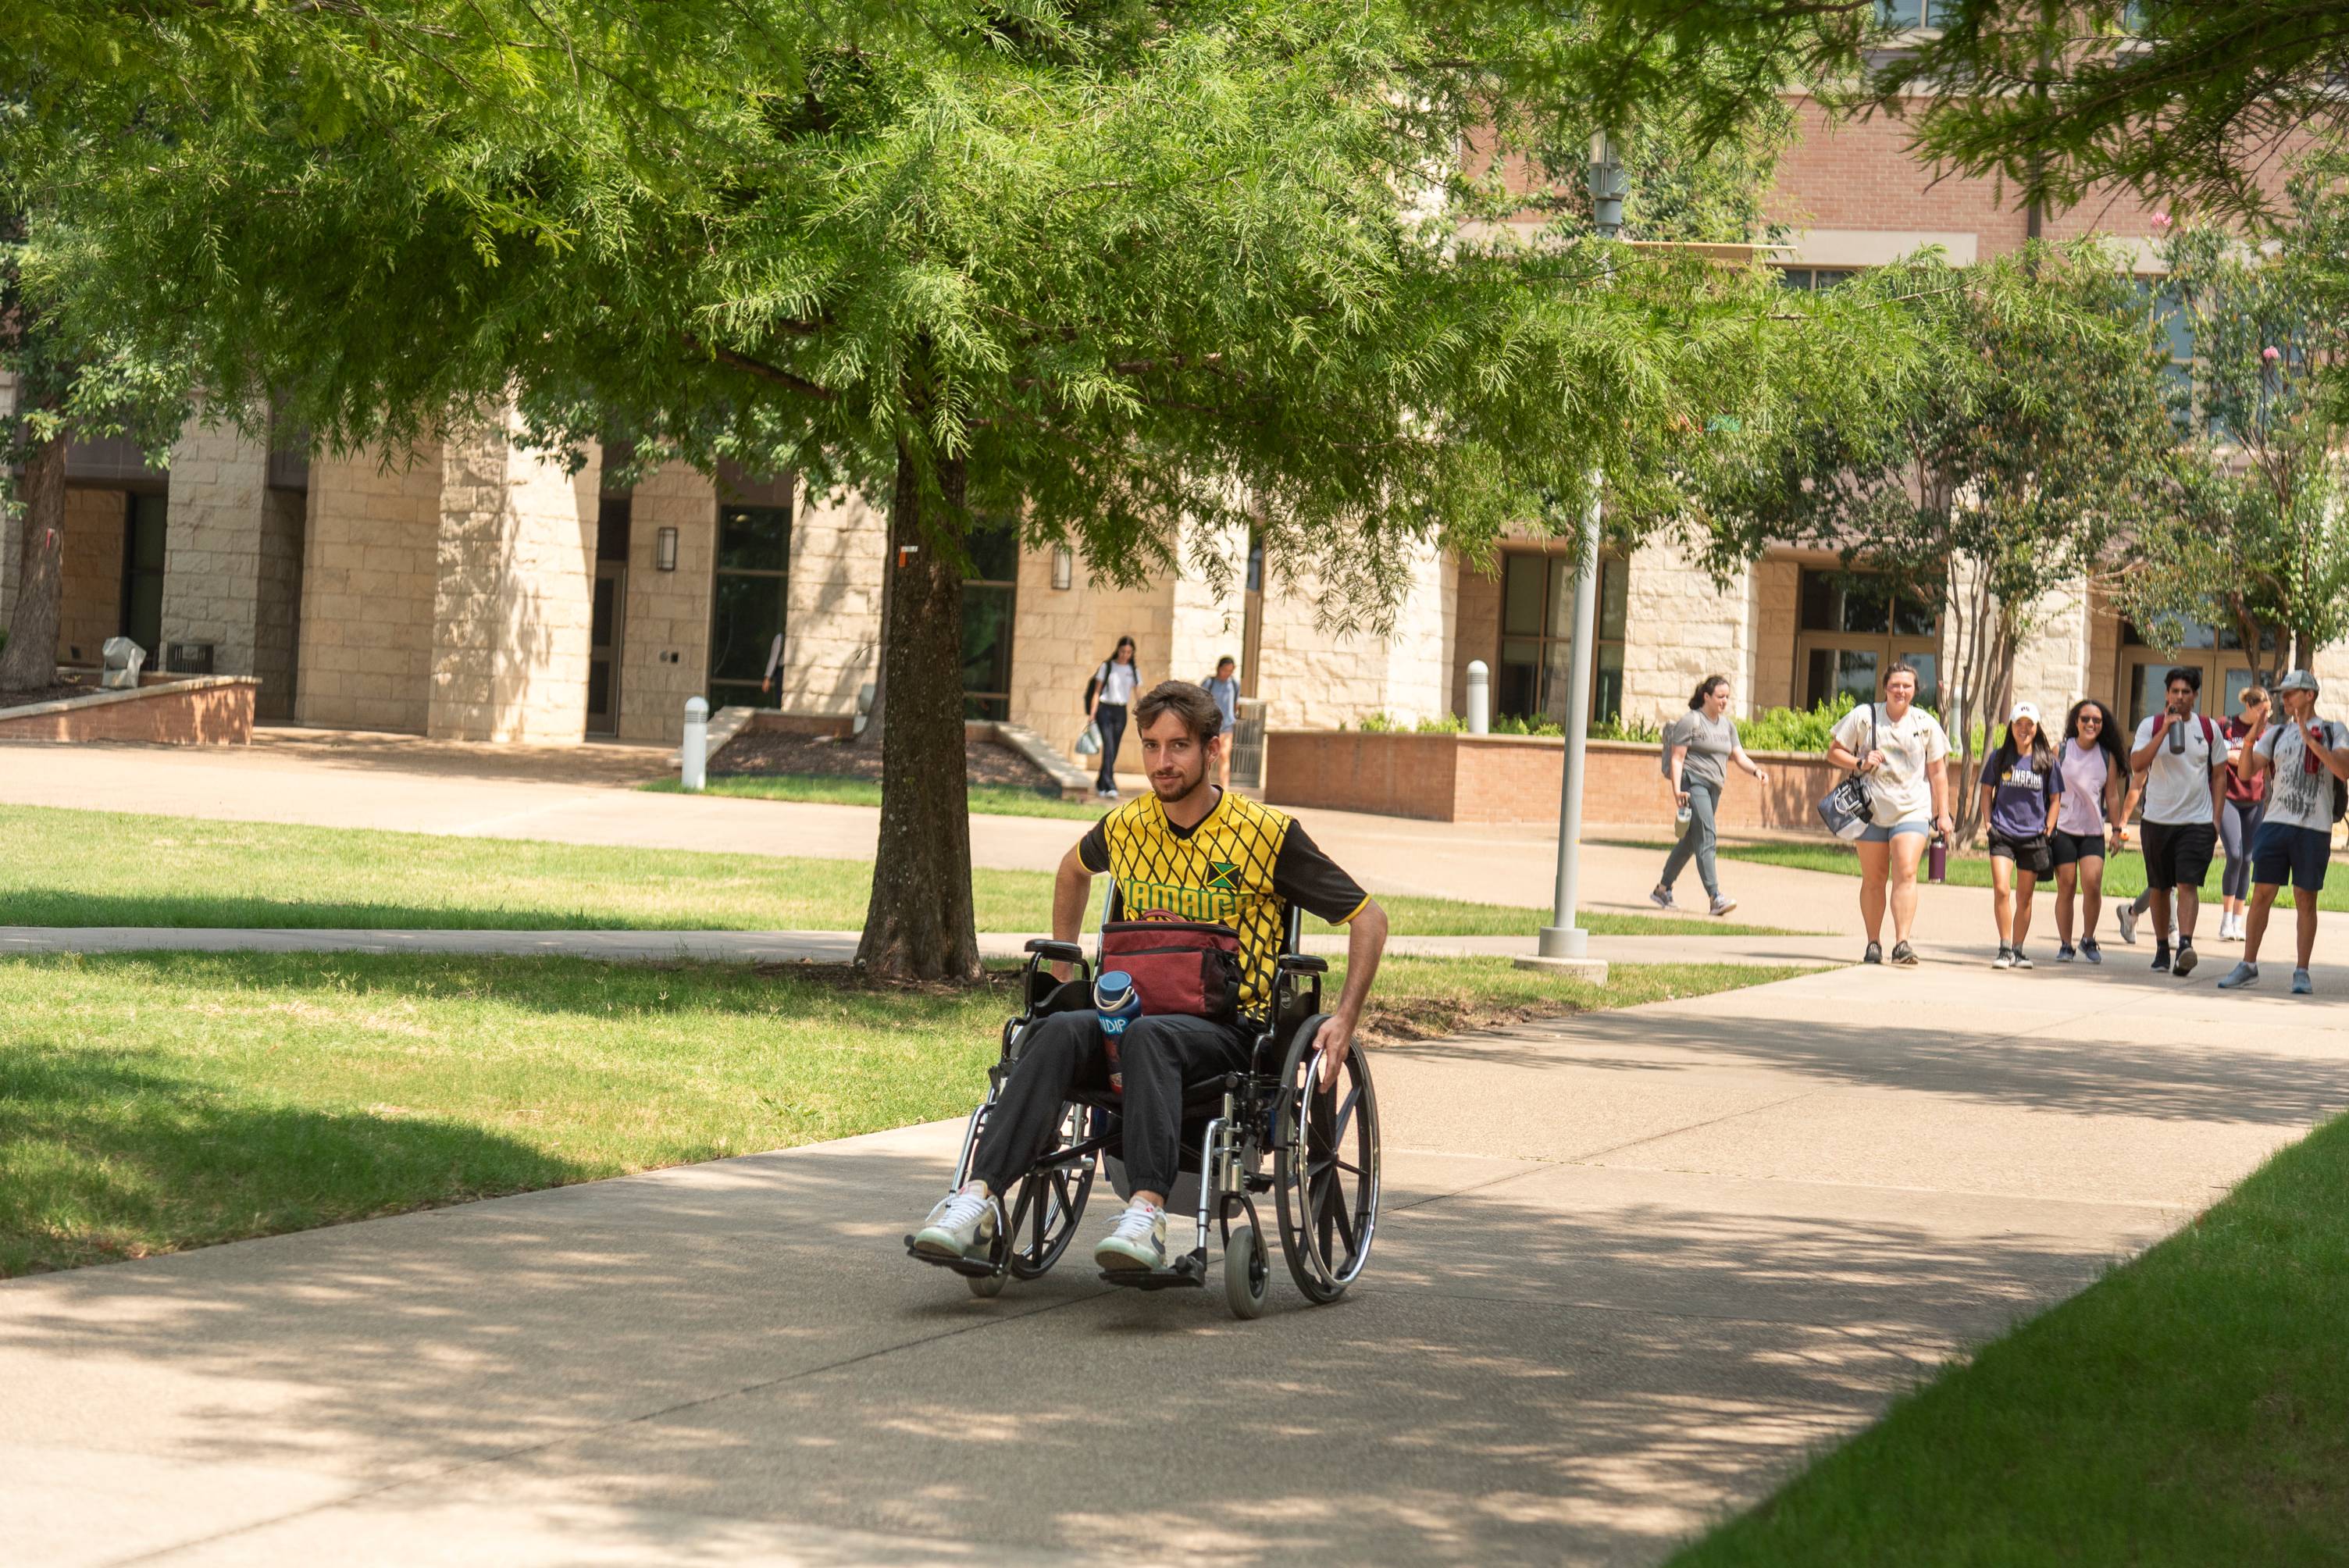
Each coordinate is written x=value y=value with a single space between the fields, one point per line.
x=514 y=573
x=2053 y=656
x=216 y=537
x=367 y=583
x=832 y=627
x=1680 y=626
x=1208 y=622
x=665 y=635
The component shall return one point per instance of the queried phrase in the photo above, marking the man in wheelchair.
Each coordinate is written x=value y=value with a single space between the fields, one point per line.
x=1202 y=854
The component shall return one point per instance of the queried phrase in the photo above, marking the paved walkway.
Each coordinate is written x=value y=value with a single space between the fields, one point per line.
x=1633 y=1267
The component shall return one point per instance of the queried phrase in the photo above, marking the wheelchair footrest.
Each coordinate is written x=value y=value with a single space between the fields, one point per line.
x=975 y=1268
x=1187 y=1272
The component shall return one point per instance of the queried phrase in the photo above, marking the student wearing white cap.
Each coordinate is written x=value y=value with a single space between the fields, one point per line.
x=2022 y=790
x=2306 y=759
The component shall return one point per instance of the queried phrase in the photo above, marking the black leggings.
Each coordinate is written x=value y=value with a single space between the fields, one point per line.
x=1158 y=1056
x=2239 y=824
x=1111 y=716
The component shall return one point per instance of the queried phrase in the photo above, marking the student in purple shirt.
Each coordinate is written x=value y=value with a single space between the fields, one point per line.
x=2022 y=790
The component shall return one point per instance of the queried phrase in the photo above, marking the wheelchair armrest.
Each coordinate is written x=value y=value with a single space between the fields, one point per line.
x=1057 y=952
x=1300 y=964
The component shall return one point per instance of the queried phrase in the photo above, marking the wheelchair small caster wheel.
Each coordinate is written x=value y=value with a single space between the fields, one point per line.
x=1248 y=1272
x=986 y=1286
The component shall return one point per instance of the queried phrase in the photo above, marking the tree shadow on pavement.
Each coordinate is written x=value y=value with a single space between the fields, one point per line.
x=1513 y=1381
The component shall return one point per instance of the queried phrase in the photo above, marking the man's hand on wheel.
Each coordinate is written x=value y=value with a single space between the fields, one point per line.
x=1329 y=1046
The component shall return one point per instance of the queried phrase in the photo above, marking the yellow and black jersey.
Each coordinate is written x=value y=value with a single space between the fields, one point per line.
x=1241 y=865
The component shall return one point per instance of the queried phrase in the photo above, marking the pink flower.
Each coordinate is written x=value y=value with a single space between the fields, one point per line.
x=2271 y=353
x=2161 y=220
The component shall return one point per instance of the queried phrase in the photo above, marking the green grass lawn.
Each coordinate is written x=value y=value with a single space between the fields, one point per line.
x=151 y=1102
x=2190 y=1409
x=2123 y=872
x=107 y=868
x=986 y=799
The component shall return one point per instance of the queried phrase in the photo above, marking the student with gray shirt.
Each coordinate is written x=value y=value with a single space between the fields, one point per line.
x=2305 y=757
x=1697 y=746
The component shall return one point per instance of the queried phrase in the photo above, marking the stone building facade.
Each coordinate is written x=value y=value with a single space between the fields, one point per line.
x=474 y=590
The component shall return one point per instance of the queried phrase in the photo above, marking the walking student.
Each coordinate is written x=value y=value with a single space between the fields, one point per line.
x=2239 y=819
x=2306 y=758
x=2184 y=760
x=2023 y=793
x=2095 y=773
x=1697 y=747
x=1224 y=687
x=1106 y=702
x=1899 y=750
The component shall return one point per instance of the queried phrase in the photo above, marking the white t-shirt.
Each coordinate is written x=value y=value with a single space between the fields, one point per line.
x=2177 y=788
x=2296 y=796
x=1116 y=683
x=1899 y=791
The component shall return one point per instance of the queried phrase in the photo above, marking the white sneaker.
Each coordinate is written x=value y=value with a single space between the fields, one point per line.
x=1662 y=897
x=1722 y=903
x=1139 y=1240
x=961 y=1226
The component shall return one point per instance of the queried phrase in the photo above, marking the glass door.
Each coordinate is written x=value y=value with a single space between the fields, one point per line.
x=604 y=649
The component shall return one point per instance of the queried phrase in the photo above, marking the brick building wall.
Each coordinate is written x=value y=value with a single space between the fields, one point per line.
x=368 y=570
x=90 y=607
x=840 y=548
x=514 y=571
x=1059 y=635
x=665 y=636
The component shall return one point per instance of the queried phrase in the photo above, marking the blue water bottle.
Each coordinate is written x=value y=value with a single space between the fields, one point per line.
x=1118 y=1003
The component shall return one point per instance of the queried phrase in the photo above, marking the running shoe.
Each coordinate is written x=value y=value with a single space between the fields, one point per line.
x=2185 y=959
x=961 y=1226
x=1875 y=953
x=2019 y=961
x=2090 y=951
x=2244 y=973
x=2005 y=959
x=1722 y=903
x=2128 y=917
x=1662 y=897
x=2301 y=984
x=1904 y=956
x=1138 y=1242
x=2161 y=960
x=2063 y=952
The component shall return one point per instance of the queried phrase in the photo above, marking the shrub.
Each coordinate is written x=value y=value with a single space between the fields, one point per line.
x=1793 y=728
x=1448 y=724
x=1621 y=729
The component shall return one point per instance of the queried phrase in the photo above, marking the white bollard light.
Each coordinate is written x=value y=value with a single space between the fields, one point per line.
x=695 y=753
x=1480 y=698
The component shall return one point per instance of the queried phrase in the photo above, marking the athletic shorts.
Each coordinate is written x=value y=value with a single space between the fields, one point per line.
x=2281 y=851
x=2029 y=854
x=2070 y=849
x=1876 y=834
x=2178 y=854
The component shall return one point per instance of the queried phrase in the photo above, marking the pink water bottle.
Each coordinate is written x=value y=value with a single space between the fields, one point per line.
x=1937 y=859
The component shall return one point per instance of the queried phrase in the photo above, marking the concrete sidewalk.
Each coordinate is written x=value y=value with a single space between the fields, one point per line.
x=1632 y=1268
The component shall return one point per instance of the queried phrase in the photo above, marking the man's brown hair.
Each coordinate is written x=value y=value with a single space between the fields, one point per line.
x=1185 y=701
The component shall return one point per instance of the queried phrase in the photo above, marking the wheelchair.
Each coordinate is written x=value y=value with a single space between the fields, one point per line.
x=1269 y=1130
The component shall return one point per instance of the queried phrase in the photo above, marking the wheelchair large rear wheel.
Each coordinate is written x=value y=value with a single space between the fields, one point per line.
x=1048 y=1202
x=1326 y=1168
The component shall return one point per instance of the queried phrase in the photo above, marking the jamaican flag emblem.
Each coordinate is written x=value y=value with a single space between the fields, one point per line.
x=1224 y=878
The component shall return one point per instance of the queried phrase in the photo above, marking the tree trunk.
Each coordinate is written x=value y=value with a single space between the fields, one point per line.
x=920 y=924
x=30 y=660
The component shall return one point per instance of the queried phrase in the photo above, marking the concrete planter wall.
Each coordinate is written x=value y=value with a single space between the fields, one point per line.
x=204 y=710
x=1517 y=778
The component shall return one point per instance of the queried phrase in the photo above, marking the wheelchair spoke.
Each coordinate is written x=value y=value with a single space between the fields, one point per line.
x=1345 y=1116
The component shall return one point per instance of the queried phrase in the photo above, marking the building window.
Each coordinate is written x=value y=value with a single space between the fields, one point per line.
x=1852 y=628
x=989 y=597
x=1537 y=654
x=1811 y=279
x=1907 y=16
x=143 y=556
x=748 y=598
x=2147 y=657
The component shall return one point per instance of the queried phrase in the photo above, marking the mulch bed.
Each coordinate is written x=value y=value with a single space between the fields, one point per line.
x=824 y=756
x=46 y=694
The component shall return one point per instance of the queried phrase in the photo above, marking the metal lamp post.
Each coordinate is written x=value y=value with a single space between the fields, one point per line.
x=1563 y=945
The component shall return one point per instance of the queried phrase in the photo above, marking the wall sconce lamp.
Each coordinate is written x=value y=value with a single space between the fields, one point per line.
x=664 y=550
x=1065 y=566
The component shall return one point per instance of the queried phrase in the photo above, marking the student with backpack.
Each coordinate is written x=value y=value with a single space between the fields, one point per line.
x=1698 y=747
x=2184 y=760
x=2306 y=760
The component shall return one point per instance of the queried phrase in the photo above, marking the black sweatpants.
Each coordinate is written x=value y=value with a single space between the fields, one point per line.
x=1158 y=1056
x=1111 y=717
